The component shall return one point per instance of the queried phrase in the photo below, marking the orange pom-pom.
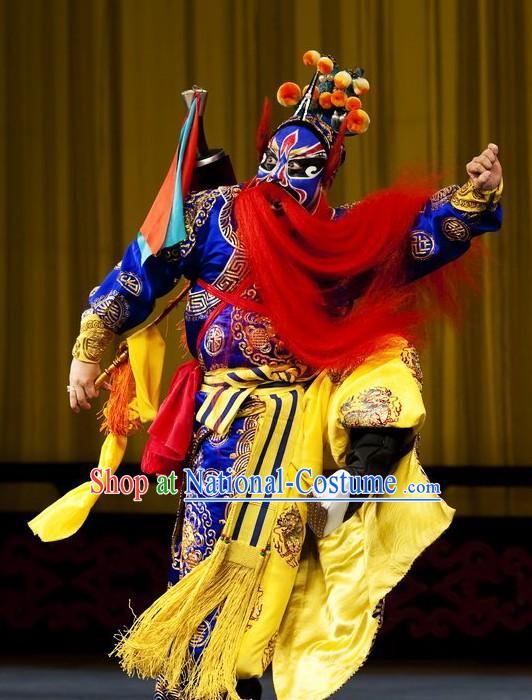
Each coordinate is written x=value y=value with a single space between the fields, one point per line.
x=311 y=58
x=315 y=93
x=357 y=121
x=338 y=98
x=288 y=94
x=353 y=103
x=325 y=100
x=325 y=65
x=342 y=80
x=361 y=86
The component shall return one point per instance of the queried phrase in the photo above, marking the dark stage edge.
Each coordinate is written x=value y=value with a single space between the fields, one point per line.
x=82 y=679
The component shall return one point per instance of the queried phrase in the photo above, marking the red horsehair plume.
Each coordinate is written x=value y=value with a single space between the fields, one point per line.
x=334 y=159
x=336 y=290
x=264 y=128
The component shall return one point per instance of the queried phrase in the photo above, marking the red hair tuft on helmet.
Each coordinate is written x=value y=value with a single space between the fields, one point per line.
x=264 y=128
x=334 y=159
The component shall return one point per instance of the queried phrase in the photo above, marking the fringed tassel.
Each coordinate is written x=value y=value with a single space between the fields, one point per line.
x=118 y=418
x=158 y=642
x=214 y=675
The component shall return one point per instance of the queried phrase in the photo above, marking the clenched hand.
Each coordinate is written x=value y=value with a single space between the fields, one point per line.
x=485 y=169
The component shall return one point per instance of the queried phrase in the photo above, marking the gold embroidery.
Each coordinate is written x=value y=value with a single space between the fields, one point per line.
x=246 y=438
x=317 y=518
x=257 y=340
x=342 y=209
x=473 y=200
x=202 y=203
x=113 y=309
x=199 y=534
x=214 y=339
x=234 y=270
x=131 y=282
x=421 y=244
x=455 y=230
x=337 y=376
x=93 y=338
x=251 y=293
x=198 y=208
x=441 y=197
x=199 y=304
x=225 y=216
x=410 y=357
x=257 y=607
x=267 y=655
x=288 y=535
x=373 y=407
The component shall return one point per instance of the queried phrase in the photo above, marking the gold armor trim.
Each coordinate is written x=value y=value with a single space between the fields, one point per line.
x=473 y=200
x=93 y=339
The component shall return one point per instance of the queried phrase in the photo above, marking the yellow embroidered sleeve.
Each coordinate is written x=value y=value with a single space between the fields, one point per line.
x=93 y=338
x=472 y=200
x=383 y=392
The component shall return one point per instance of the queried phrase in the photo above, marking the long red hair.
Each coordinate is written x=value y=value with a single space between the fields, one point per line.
x=335 y=290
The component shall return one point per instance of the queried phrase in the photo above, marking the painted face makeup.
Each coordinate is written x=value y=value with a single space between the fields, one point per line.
x=295 y=159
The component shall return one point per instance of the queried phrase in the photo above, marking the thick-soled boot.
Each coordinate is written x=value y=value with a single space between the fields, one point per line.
x=249 y=688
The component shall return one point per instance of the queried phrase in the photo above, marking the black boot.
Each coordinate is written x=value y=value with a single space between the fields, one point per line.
x=249 y=688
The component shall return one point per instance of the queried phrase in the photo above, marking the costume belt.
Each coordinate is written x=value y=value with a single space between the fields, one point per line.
x=227 y=389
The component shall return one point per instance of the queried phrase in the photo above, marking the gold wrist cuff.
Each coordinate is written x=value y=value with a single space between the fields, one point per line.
x=473 y=200
x=93 y=339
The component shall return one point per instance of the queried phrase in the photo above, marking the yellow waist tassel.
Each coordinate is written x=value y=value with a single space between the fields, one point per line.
x=229 y=581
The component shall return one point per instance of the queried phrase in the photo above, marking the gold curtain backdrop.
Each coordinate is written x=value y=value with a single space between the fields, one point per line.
x=90 y=115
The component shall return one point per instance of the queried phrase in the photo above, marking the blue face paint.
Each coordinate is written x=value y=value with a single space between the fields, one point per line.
x=295 y=159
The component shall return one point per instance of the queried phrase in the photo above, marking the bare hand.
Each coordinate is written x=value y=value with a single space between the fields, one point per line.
x=81 y=383
x=485 y=169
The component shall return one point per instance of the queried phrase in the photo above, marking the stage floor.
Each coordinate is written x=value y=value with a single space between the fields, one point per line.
x=88 y=679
